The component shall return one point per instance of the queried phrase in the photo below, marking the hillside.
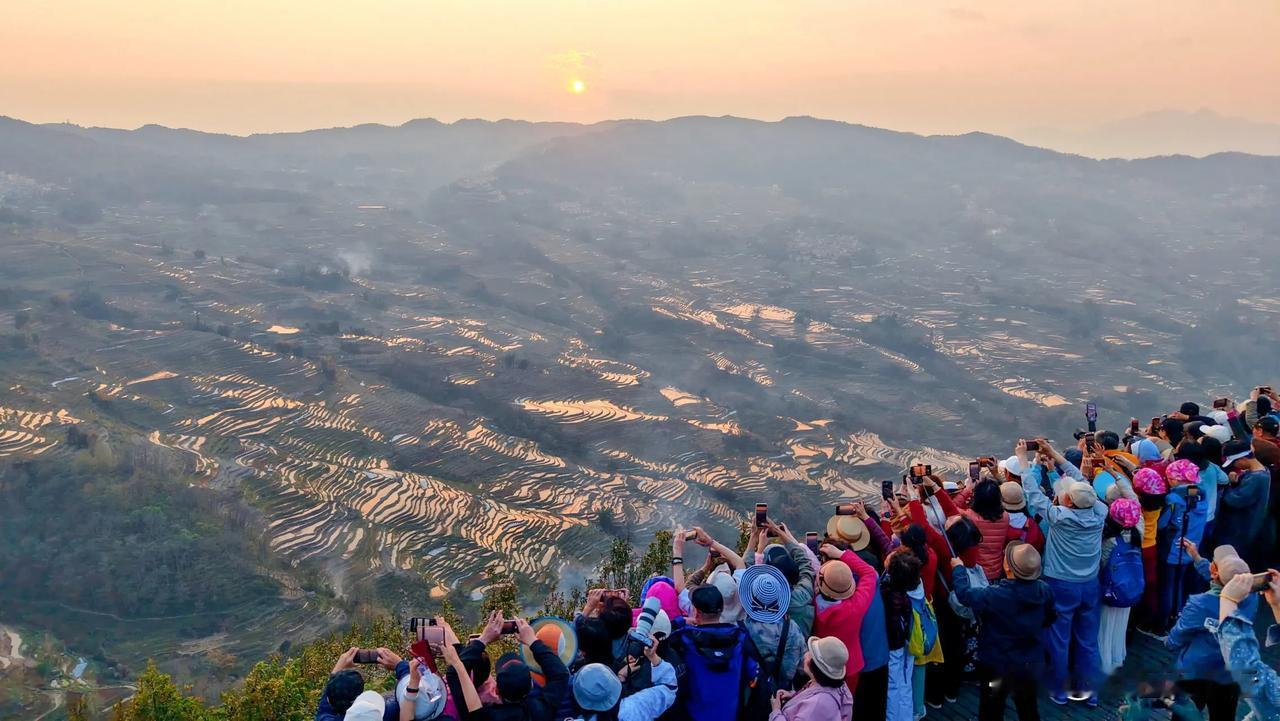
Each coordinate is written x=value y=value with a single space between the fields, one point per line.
x=395 y=358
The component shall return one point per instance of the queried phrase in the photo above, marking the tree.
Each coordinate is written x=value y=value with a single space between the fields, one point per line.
x=158 y=699
x=273 y=691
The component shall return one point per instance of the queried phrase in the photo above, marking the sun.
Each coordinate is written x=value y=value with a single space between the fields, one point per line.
x=577 y=87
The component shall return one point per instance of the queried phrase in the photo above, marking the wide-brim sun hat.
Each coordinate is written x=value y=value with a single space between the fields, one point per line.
x=765 y=593
x=558 y=634
x=835 y=580
x=850 y=530
x=432 y=695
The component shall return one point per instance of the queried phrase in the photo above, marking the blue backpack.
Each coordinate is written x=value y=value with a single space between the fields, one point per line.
x=1123 y=579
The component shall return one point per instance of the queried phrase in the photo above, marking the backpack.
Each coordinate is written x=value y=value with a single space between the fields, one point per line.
x=923 y=642
x=769 y=681
x=1122 y=578
x=719 y=668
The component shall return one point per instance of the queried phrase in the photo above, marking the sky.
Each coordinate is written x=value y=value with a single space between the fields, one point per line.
x=244 y=66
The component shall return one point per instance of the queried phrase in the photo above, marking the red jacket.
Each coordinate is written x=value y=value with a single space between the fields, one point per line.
x=844 y=620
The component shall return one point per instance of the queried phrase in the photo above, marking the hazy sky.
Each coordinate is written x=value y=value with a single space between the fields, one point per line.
x=933 y=66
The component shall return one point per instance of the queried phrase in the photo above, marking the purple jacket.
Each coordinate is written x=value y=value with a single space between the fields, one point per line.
x=817 y=703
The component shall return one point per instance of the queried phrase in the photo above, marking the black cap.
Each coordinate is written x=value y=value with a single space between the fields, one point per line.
x=342 y=689
x=1269 y=425
x=707 y=599
x=1237 y=447
x=1193 y=429
x=513 y=678
x=1189 y=409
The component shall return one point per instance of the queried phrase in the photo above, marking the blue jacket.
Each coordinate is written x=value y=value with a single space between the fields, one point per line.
x=1073 y=551
x=1171 y=523
x=1259 y=684
x=1012 y=615
x=1198 y=654
x=325 y=712
x=874 y=637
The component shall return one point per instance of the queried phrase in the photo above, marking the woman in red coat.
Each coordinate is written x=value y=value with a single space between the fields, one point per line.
x=846 y=585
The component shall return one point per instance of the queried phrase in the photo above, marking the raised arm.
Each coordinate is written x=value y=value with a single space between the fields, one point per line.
x=677 y=559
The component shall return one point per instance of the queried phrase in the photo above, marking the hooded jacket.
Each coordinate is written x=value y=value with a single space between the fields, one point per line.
x=1012 y=615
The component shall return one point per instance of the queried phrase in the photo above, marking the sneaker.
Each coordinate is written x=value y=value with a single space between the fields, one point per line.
x=951 y=699
x=1092 y=701
x=1058 y=698
x=1153 y=634
x=1078 y=695
x=933 y=704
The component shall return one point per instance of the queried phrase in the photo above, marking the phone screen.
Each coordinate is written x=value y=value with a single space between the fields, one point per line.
x=762 y=514
x=508 y=628
x=811 y=540
x=974 y=469
x=886 y=489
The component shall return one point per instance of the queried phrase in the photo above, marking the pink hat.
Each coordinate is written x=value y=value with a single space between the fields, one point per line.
x=1182 y=471
x=666 y=595
x=1150 y=482
x=1126 y=511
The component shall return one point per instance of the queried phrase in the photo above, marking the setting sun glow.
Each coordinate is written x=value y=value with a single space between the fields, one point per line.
x=577 y=87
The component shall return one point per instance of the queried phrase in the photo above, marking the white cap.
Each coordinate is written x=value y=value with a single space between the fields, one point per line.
x=368 y=706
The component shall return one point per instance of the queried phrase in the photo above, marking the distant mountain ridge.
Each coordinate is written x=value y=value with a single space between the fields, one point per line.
x=1163 y=132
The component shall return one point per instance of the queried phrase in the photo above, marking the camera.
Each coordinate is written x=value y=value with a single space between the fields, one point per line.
x=366 y=656
x=639 y=638
x=1032 y=446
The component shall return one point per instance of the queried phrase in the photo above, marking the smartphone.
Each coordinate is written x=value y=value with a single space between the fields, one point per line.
x=690 y=535
x=762 y=514
x=1222 y=403
x=1264 y=390
x=1091 y=412
x=919 y=471
x=509 y=628
x=1032 y=446
x=987 y=461
x=1261 y=581
x=419 y=624
x=844 y=509
x=366 y=655
x=974 y=469
x=886 y=490
x=1089 y=443
x=811 y=540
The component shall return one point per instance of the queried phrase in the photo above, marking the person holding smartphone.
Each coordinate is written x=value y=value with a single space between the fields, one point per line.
x=1259 y=683
x=1073 y=556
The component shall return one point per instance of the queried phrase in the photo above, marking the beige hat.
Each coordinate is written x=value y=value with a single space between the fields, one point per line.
x=835 y=580
x=1228 y=563
x=1023 y=560
x=829 y=655
x=1082 y=495
x=849 y=529
x=1011 y=496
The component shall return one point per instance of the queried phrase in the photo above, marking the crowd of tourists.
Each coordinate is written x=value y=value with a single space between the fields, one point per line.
x=1027 y=578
